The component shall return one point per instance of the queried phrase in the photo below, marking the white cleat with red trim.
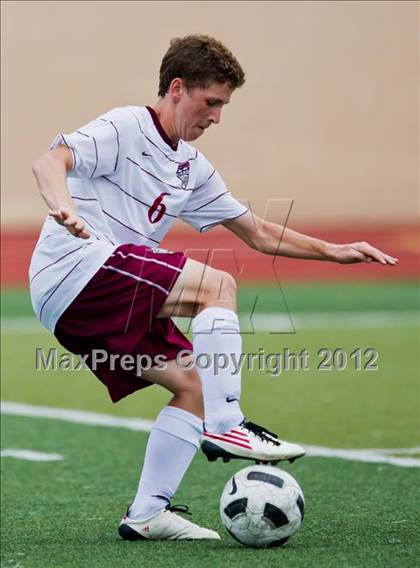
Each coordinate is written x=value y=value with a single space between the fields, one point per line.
x=248 y=441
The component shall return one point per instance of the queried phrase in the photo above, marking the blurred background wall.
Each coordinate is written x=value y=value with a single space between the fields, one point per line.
x=328 y=116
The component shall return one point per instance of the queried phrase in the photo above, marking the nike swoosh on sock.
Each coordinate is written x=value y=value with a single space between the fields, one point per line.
x=231 y=399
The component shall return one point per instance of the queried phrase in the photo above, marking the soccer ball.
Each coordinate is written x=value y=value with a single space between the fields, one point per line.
x=262 y=506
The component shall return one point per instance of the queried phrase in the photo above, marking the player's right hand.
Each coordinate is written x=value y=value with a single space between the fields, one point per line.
x=359 y=252
x=72 y=222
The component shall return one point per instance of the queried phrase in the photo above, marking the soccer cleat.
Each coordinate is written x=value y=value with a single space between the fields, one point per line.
x=164 y=525
x=248 y=441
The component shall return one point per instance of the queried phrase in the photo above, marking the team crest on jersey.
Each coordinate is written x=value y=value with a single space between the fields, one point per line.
x=183 y=173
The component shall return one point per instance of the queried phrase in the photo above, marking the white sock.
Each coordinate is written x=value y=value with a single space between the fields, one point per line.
x=173 y=442
x=216 y=334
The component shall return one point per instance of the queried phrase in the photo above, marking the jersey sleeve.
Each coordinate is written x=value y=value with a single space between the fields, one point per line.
x=211 y=203
x=99 y=146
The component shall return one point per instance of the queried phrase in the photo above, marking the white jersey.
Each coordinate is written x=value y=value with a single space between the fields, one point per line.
x=129 y=185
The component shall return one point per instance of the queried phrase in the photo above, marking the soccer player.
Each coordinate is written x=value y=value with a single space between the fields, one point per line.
x=114 y=187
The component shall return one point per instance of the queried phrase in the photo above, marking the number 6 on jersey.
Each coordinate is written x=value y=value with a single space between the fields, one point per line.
x=157 y=209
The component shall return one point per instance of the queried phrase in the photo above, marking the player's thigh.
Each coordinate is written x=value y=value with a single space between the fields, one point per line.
x=197 y=287
x=190 y=284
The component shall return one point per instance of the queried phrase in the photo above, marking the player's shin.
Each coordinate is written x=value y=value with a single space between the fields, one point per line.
x=173 y=442
x=217 y=344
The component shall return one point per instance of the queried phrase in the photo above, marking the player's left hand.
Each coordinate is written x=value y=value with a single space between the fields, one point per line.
x=71 y=221
x=360 y=252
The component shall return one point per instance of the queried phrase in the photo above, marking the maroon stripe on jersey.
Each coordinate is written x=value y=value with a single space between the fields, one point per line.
x=118 y=141
x=109 y=238
x=96 y=153
x=84 y=198
x=208 y=203
x=44 y=239
x=135 y=198
x=47 y=237
x=88 y=223
x=137 y=120
x=57 y=287
x=204 y=182
x=118 y=145
x=131 y=228
x=70 y=148
x=160 y=129
x=223 y=221
x=155 y=177
x=58 y=260
x=191 y=159
x=96 y=149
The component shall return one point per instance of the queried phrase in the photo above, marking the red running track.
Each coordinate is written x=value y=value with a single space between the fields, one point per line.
x=224 y=250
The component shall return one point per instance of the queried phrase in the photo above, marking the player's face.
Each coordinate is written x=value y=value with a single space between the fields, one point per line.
x=198 y=108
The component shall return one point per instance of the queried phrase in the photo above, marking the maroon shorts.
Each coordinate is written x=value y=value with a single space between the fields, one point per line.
x=117 y=312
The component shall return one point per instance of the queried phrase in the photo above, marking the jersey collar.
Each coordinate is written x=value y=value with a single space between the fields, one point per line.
x=160 y=129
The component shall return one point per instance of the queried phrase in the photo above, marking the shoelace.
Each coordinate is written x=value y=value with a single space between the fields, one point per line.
x=178 y=509
x=262 y=433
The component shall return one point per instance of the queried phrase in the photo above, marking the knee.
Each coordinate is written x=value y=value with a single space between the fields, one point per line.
x=220 y=289
x=228 y=284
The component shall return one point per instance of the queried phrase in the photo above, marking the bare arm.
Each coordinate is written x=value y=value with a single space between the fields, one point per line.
x=271 y=238
x=50 y=171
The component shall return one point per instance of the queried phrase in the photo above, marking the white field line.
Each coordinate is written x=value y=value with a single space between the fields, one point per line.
x=75 y=416
x=30 y=455
x=404 y=451
x=329 y=320
x=280 y=323
x=93 y=419
x=371 y=455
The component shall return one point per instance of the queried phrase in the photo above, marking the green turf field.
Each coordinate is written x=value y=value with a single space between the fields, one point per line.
x=64 y=513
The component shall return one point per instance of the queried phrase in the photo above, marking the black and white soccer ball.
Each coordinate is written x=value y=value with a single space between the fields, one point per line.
x=262 y=506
